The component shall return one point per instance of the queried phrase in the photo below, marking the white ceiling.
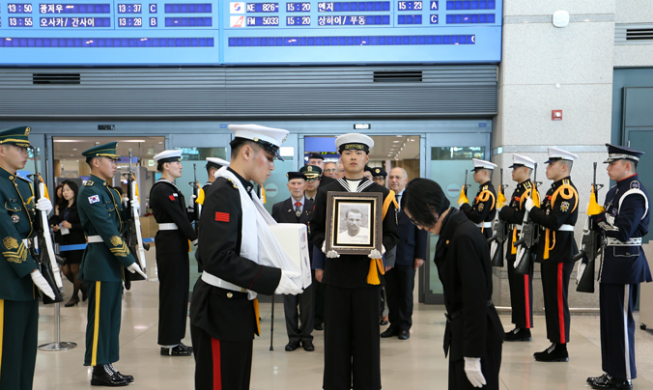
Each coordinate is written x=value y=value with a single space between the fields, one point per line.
x=66 y=148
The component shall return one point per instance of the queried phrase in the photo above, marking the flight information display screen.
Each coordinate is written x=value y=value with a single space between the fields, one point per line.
x=117 y=32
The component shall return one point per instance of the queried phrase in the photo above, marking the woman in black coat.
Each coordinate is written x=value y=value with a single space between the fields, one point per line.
x=68 y=229
x=474 y=334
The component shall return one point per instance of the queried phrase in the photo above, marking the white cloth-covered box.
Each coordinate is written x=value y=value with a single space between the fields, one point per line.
x=293 y=239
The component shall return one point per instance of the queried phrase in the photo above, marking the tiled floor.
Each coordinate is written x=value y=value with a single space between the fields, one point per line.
x=406 y=365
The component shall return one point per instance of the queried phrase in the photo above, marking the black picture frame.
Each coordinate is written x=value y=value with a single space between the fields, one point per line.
x=354 y=222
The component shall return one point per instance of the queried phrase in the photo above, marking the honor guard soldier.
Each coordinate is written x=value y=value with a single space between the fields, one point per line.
x=483 y=209
x=212 y=166
x=379 y=175
x=623 y=223
x=351 y=339
x=473 y=334
x=172 y=241
x=102 y=215
x=521 y=286
x=298 y=209
x=313 y=175
x=556 y=249
x=19 y=273
x=224 y=313
x=317 y=160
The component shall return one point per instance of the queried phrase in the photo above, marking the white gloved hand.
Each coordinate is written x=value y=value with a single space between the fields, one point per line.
x=332 y=255
x=135 y=203
x=195 y=242
x=375 y=254
x=41 y=283
x=133 y=268
x=473 y=372
x=286 y=285
x=581 y=270
x=529 y=204
x=44 y=204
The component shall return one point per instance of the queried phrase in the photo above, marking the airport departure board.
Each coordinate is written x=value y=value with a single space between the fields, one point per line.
x=129 y=33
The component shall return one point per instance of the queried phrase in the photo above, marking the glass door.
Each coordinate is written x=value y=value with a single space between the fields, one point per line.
x=448 y=156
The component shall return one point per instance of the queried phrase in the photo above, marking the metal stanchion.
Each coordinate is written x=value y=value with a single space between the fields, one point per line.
x=57 y=345
x=272 y=325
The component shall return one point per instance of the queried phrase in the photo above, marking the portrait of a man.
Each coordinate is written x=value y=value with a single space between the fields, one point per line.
x=354 y=225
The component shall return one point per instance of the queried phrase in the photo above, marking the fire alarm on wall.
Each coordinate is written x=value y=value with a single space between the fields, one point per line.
x=556 y=115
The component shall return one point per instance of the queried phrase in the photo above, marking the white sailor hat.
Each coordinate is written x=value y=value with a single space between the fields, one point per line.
x=522 y=161
x=482 y=164
x=354 y=141
x=556 y=154
x=214 y=162
x=168 y=156
x=268 y=137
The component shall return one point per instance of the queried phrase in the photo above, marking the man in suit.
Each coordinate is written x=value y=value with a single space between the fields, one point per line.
x=297 y=209
x=411 y=252
x=331 y=170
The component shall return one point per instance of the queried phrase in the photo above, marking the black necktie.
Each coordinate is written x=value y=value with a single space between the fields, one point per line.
x=399 y=203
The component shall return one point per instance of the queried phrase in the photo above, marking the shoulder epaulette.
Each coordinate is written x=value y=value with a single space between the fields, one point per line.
x=232 y=183
x=634 y=184
x=527 y=185
x=88 y=183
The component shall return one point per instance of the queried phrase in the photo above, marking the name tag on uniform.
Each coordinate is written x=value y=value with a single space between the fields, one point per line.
x=93 y=199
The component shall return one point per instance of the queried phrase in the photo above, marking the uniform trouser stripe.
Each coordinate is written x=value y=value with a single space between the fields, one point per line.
x=561 y=307
x=2 y=328
x=96 y=327
x=217 y=373
x=626 y=342
x=527 y=303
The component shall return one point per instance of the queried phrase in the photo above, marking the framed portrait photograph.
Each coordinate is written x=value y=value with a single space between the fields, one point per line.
x=354 y=222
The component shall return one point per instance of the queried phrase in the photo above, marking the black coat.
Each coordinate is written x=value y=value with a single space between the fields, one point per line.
x=76 y=235
x=412 y=241
x=223 y=314
x=463 y=260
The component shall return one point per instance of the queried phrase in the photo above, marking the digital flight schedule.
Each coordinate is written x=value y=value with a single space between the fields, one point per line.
x=160 y=33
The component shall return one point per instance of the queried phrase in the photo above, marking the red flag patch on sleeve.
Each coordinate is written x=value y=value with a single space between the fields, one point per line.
x=172 y=198
x=221 y=217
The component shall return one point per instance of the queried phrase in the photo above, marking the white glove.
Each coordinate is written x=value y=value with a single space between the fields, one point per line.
x=286 y=285
x=40 y=282
x=44 y=204
x=332 y=255
x=529 y=204
x=581 y=270
x=375 y=254
x=133 y=268
x=473 y=371
x=195 y=242
x=135 y=204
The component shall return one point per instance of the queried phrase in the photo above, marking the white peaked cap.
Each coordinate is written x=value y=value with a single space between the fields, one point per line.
x=219 y=161
x=168 y=156
x=518 y=159
x=482 y=164
x=558 y=154
x=262 y=133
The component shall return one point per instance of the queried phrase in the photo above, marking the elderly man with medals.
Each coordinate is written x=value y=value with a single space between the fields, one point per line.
x=351 y=339
x=240 y=258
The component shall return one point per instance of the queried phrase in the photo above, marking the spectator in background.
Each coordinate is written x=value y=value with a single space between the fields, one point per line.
x=312 y=173
x=341 y=170
x=331 y=170
x=368 y=173
x=316 y=160
x=68 y=228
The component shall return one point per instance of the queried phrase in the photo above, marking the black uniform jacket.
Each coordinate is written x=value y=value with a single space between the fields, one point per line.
x=412 y=241
x=463 y=260
x=483 y=208
x=563 y=210
x=514 y=213
x=349 y=271
x=168 y=206
x=224 y=314
x=76 y=235
x=626 y=216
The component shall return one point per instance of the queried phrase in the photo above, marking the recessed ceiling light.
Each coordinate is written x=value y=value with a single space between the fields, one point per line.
x=396 y=141
x=133 y=140
x=400 y=136
x=74 y=148
x=160 y=142
x=66 y=140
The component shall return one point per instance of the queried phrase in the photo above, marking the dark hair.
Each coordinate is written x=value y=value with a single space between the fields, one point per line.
x=422 y=198
x=238 y=144
x=59 y=201
x=355 y=211
x=74 y=187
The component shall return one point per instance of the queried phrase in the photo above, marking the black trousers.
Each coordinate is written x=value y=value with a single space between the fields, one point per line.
x=318 y=294
x=351 y=339
x=219 y=364
x=299 y=323
x=399 y=284
x=618 y=329
x=490 y=366
x=174 y=275
x=19 y=335
x=521 y=296
x=555 y=286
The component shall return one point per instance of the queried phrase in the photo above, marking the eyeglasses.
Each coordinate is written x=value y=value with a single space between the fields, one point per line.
x=330 y=170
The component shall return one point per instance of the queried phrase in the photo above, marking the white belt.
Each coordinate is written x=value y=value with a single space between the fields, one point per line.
x=168 y=226
x=94 y=239
x=484 y=225
x=566 y=228
x=26 y=242
x=631 y=242
x=217 y=282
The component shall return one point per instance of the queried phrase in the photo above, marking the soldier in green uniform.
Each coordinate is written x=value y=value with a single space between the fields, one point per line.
x=19 y=274
x=102 y=215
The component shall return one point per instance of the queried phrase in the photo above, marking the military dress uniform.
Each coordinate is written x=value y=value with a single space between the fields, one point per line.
x=172 y=241
x=483 y=209
x=623 y=224
x=102 y=214
x=351 y=311
x=19 y=306
x=556 y=249
x=521 y=286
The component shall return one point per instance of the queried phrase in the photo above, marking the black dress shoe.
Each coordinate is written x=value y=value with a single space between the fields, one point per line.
x=606 y=382
x=292 y=345
x=601 y=378
x=103 y=375
x=318 y=327
x=390 y=332
x=72 y=302
x=177 y=350
x=128 y=285
x=84 y=290
x=308 y=346
x=404 y=335
x=128 y=378
x=383 y=322
x=186 y=347
x=555 y=353
x=518 y=334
